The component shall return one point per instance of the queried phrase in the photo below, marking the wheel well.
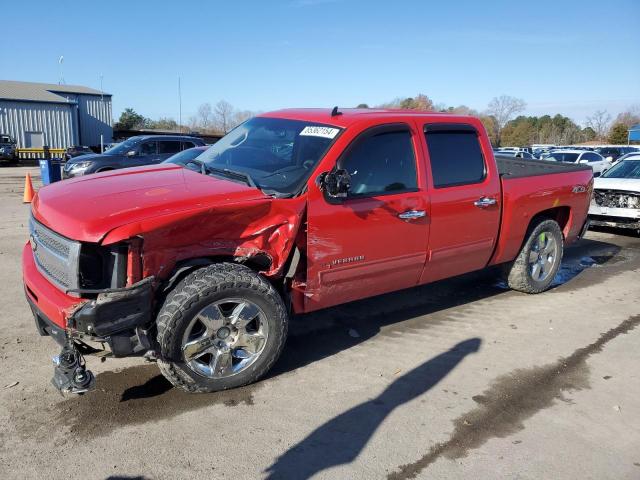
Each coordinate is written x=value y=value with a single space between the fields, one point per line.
x=256 y=263
x=560 y=214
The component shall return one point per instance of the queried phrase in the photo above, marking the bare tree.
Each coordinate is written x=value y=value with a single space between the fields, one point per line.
x=223 y=112
x=630 y=117
x=503 y=109
x=240 y=116
x=204 y=117
x=192 y=123
x=600 y=122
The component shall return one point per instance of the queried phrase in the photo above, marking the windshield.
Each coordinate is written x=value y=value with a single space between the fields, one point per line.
x=624 y=169
x=185 y=156
x=563 y=157
x=122 y=148
x=278 y=154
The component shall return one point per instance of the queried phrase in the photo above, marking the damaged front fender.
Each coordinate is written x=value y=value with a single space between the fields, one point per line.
x=251 y=229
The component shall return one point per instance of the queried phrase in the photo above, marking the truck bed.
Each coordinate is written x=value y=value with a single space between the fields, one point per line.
x=517 y=167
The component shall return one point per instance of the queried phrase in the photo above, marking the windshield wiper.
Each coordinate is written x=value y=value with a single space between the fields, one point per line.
x=225 y=172
x=231 y=174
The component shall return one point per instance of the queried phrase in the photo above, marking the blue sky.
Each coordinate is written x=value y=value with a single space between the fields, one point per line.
x=569 y=57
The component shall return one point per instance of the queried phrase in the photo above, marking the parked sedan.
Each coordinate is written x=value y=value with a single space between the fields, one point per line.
x=596 y=161
x=134 y=152
x=616 y=196
x=514 y=153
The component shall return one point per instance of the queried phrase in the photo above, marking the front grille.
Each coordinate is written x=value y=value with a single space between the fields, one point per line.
x=616 y=199
x=56 y=256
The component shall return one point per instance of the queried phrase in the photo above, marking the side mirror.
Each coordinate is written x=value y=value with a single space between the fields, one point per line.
x=609 y=159
x=336 y=184
x=131 y=153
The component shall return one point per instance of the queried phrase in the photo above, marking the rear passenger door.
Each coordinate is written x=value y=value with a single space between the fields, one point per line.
x=166 y=149
x=465 y=200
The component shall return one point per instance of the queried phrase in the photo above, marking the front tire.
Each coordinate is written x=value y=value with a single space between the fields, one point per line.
x=223 y=326
x=538 y=262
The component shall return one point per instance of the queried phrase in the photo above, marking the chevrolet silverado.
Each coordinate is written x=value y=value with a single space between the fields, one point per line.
x=199 y=267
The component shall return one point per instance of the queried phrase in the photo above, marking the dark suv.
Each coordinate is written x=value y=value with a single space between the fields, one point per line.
x=133 y=152
x=8 y=148
x=615 y=152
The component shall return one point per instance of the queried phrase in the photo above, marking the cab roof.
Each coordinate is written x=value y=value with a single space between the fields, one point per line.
x=349 y=116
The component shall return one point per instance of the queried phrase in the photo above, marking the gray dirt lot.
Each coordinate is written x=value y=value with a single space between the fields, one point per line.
x=460 y=379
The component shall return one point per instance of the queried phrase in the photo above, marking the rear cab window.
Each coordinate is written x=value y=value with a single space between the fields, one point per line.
x=455 y=155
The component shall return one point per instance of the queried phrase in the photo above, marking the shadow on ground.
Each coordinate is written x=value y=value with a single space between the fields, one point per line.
x=341 y=439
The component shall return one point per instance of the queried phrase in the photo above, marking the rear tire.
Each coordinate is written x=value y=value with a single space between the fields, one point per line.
x=538 y=262
x=199 y=316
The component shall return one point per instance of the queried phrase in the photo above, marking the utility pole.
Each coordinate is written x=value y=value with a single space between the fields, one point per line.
x=179 y=106
x=102 y=113
x=60 y=72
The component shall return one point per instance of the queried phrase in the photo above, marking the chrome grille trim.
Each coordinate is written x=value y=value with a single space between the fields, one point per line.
x=56 y=257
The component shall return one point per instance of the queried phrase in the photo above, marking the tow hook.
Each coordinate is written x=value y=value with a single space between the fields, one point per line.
x=70 y=374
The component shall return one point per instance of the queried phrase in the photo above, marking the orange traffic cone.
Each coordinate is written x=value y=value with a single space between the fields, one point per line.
x=28 y=189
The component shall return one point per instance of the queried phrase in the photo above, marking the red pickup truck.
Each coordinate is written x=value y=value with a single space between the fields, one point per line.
x=200 y=266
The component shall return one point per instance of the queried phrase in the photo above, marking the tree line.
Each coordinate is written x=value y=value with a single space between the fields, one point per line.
x=217 y=119
x=506 y=127
x=502 y=119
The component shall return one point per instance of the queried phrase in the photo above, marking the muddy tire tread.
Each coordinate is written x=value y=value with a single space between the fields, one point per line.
x=195 y=287
x=518 y=277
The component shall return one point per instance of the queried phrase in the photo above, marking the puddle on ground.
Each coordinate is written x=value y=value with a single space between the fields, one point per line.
x=132 y=396
x=514 y=398
x=572 y=267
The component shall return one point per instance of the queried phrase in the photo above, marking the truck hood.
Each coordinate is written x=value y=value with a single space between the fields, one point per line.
x=87 y=208
x=626 y=184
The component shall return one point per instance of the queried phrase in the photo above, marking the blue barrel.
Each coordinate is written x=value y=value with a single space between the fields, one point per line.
x=50 y=170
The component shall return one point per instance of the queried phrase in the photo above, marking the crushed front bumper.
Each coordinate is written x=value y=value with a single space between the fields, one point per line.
x=616 y=222
x=120 y=318
x=614 y=217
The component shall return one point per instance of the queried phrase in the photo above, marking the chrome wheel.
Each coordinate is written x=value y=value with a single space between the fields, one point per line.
x=225 y=338
x=543 y=255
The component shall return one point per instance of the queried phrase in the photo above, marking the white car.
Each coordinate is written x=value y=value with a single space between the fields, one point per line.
x=616 y=196
x=597 y=162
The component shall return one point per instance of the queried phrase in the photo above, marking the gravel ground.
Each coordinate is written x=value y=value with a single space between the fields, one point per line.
x=459 y=379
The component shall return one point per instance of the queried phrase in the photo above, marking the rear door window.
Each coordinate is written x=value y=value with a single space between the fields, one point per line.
x=168 y=146
x=455 y=156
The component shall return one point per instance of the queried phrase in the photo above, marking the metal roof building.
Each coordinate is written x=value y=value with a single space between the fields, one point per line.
x=59 y=116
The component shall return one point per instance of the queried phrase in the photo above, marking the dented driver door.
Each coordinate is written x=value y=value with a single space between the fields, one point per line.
x=374 y=240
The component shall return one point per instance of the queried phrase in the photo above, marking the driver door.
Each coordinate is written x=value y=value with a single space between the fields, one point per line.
x=374 y=240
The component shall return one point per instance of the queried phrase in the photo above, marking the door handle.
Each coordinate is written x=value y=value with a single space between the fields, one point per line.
x=484 y=202
x=411 y=214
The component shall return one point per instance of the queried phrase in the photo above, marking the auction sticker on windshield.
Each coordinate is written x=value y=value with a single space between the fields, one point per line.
x=317 y=131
